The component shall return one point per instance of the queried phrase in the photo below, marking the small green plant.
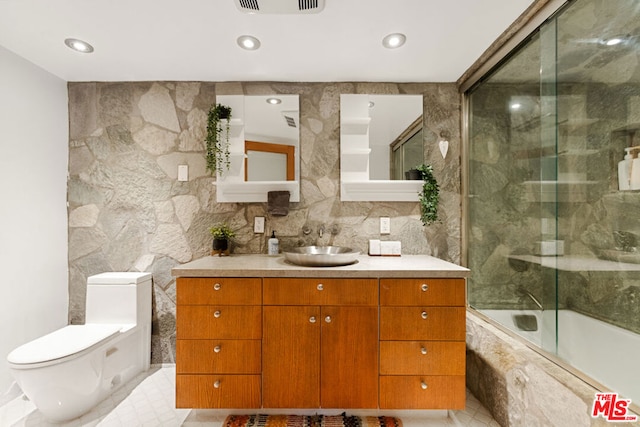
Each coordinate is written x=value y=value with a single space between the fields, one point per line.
x=217 y=139
x=221 y=231
x=429 y=196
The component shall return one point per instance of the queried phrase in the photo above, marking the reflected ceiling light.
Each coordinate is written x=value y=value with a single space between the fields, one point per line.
x=79 y=45
x=248 y=42
x=515 y=106
x=394 y=40
x=273 y=101
x=615 y=40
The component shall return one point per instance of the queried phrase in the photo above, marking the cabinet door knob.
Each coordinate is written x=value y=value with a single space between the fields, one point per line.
x=216 y=314
x=424 y=287
x=320 y=286
x=216 y=384
x=327 y=319
x=217 y=286
x=423 y=385
x=312 y=319
x=424 y=315
x=217 y=349
x=423 y=350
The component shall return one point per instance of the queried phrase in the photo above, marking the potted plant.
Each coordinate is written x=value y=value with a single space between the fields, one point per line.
x=429 y=196
x=222 y=235
x=217 y=139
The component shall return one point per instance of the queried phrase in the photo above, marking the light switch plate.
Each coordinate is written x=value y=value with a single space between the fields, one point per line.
x=183 y=172
x=385 y=225
x=258 y=224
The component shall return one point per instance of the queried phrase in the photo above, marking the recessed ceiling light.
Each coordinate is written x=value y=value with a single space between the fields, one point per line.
x=274 y=101
x=248 y=42
x=515 y=106
x=79 y=45
x=394 y=40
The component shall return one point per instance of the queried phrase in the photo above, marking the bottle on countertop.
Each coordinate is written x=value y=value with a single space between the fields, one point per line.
x=273 y=246
x=624 y=170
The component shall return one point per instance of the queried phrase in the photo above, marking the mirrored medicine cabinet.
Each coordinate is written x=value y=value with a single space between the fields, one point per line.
x=381 y=139
x=264 y=146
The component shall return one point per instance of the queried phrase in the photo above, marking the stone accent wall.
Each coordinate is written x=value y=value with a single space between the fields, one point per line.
x=128 y=212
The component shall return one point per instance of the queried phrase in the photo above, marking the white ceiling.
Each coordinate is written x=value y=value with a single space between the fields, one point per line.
x=195 y=40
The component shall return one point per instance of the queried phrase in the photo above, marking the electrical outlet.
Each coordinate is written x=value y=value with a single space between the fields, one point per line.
x=385 y=225
x=258 y=224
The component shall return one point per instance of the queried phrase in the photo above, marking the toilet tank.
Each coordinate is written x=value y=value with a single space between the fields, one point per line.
x=119 y=297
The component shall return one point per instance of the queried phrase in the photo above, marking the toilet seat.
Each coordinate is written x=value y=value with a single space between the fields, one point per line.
x=66 y=343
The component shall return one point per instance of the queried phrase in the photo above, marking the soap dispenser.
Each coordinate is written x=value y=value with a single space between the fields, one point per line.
x=273 y=246
x=624 y=170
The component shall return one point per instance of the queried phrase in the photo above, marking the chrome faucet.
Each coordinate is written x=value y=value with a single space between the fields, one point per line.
x=321 y=231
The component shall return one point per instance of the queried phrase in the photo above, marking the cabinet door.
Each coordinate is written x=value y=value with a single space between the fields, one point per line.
x=291 y=357
x=349 y=361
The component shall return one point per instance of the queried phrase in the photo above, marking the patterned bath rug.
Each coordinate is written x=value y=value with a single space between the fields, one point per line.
x=343 y=420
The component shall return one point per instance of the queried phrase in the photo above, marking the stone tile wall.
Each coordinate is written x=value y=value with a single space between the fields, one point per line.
x=128 y=212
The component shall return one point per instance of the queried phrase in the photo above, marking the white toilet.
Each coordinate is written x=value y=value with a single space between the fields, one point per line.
x=67 y=372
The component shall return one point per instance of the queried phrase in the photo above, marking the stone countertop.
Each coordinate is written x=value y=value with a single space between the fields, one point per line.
x=258 y=265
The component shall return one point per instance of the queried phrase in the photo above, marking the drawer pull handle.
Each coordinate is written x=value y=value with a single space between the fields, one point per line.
x=217 y=349
x=423 y=385
x=312 y=319
x=424 y=315
x=423 y=350
x=327 y=319
x=216 y=314
x=217 y=286
x=424 y=287
x=216 y=384
x=320 y=286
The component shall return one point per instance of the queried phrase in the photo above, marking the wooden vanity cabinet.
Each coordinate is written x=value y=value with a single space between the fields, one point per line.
x=218 y=345
x=320 y=343
x=422 y=343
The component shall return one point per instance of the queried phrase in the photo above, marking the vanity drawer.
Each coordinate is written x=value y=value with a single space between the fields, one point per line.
x=299 y=291
x=219 y=290
x=218 y=391
x=219 y=322
x=422 y=391
x=422 y=357
x=442 y=292
x=422 y=323
x=218 y=356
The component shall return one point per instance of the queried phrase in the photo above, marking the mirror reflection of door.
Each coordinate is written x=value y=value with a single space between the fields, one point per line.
x=407 y=151
x=269 y=161
x=272 y=135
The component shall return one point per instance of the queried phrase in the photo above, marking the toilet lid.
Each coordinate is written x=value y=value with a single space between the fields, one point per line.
x=61 y=343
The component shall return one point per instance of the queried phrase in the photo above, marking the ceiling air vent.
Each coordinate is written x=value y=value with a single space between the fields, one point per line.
x=289 y=117
x=280 y=6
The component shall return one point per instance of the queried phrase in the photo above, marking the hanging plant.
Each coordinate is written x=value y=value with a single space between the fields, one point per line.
x=217 y=140
x=429 y=196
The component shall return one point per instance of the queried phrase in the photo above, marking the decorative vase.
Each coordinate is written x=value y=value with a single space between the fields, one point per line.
x=220 y=247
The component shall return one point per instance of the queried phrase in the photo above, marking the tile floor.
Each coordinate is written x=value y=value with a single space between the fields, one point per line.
x=148 y=400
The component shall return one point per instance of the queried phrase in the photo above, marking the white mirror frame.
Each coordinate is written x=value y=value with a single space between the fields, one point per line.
x=355 y=185
x=231 y=184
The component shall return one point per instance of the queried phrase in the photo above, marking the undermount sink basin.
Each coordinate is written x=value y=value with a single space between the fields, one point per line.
x=322 y=256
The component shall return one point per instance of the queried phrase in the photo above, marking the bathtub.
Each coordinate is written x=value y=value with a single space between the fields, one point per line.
x=604 y=352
